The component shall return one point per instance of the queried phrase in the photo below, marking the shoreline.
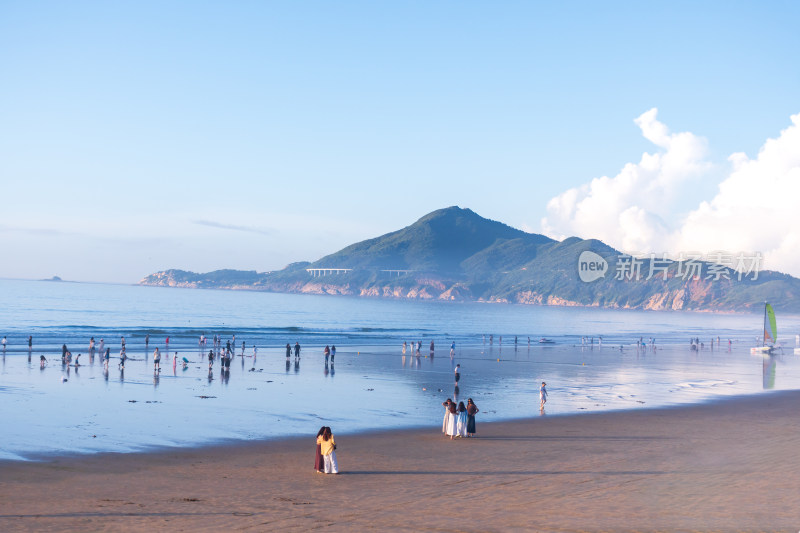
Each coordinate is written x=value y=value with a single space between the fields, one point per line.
x=726 y=465
x=234 y=443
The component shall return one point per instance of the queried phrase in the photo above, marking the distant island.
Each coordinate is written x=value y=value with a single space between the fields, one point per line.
x=455 y=254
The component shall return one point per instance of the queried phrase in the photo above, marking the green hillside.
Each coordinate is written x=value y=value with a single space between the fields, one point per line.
x=455 y=254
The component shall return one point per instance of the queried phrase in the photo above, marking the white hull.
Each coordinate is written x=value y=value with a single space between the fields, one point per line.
x=761 y=350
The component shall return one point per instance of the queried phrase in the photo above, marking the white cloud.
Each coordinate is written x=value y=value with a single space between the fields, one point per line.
x=756 y=207
x=633 y=210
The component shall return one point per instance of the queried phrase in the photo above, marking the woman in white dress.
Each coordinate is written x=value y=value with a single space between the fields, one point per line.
x=451 y=420
x=446 y=405
x=461 y=420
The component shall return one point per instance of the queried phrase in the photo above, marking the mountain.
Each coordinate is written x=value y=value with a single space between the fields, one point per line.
x=439 y=243
x=455 y=254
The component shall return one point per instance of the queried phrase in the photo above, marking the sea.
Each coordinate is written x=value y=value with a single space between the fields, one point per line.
x=592 y=360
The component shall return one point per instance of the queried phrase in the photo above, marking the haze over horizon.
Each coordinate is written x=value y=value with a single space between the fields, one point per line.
x=137 y=138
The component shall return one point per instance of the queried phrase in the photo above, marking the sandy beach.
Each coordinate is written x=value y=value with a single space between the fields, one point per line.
x=729 y=465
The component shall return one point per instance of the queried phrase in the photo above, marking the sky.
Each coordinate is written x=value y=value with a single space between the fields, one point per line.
x=141 y=136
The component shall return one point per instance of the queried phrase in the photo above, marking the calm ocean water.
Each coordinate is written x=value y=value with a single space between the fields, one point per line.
x=371 y=385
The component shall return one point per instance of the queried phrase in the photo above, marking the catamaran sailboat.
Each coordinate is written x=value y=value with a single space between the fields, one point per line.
x=770 y=333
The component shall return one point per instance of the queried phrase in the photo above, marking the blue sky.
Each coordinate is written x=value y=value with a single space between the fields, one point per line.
x=140 y=136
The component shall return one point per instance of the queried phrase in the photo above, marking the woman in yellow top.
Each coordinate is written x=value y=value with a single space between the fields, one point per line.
x=328 y=450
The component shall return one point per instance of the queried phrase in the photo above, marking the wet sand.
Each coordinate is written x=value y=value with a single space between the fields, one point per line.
x=730 y=465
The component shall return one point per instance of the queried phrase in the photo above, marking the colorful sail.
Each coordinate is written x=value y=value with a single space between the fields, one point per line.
x=770 y=327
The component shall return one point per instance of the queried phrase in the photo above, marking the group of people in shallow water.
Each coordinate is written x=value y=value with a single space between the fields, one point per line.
x=459 y=420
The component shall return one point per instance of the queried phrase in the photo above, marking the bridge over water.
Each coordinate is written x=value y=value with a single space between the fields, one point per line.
x=316 y=272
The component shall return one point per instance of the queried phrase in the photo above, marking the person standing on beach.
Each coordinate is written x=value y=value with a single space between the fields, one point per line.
x=461 y=421
x=147 y=340
x=328 y=451
x=446 y=405
x=452 y=421
x=319 y=462
x=452 y=348
x=458 y=374
x=542 y=395
x=297 y=350
x=288 y=351
x=157 y=360
x=472 y=410
x=333 y=353
x=30 y=342
x=106 y=356
x=210 y=359
x=122 y=357
x=327 y=352
x=5 y=341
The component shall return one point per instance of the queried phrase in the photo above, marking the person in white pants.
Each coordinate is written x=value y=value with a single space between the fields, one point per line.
x=328 y=451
